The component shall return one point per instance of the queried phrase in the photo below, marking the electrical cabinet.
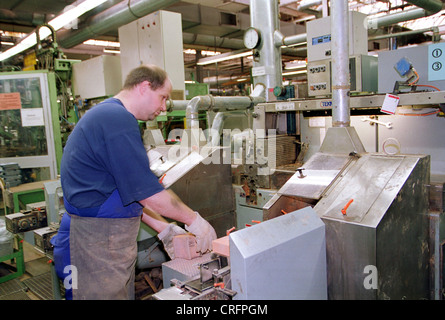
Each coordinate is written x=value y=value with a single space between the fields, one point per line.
x=319 y=37
x=97 y=77
x=155 y=39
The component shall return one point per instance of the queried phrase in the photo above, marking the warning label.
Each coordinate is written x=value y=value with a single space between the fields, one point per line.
x=10 y=101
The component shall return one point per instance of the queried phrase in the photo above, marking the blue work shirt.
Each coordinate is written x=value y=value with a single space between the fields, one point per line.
x=105 y=155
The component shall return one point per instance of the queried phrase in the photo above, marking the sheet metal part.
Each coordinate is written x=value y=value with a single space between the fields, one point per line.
x=282 y=258
x=385 y=226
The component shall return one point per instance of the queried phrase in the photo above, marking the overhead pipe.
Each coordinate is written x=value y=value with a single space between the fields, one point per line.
x=432 y=6
x=390 y=19
x=110 y=19
x=425 y=9
x=435 y=30
x=127 y=11
x=340 y=63
x=20 y=17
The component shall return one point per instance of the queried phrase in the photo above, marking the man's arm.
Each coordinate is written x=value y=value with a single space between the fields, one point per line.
x=167 y=204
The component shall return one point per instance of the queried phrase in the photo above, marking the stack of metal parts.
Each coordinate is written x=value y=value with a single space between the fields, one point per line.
x=286 y=150
x=11 y=174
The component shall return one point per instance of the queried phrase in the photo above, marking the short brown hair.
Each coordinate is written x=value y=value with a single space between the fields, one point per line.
x=151 y=73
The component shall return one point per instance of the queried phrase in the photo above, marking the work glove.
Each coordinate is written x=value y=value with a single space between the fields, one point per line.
x=203 y=232
x=166 y=236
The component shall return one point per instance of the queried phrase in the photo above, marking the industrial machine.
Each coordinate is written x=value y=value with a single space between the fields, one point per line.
x=247 y=268
x=334 y=222
x=26 y=221
x=372 y=207
x=30 y=126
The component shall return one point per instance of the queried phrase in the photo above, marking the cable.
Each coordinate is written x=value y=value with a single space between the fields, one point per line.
x=417 y=78
x=419 y=114
x=427 y=85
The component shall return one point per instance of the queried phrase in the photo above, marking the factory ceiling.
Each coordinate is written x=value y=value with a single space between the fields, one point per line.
x=208 y=26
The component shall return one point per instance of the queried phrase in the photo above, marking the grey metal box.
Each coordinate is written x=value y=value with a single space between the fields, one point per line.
x=281 y=258
x=378 y=248
x=319 y=37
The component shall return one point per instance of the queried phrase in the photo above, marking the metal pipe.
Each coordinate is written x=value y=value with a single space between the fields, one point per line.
x=432 y=6
x=110 y=19
x=390 y=19
x=176 y=104
x=264 y=17
x=435 y=31
x=306 y=4
x=340 y=63
x=425 y=9
x=218 y=123
x=212 y=103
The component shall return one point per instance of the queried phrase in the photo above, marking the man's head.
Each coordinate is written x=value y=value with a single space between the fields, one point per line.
x=150 y=87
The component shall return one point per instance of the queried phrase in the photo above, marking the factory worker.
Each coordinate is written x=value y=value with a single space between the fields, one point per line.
x=108 y=189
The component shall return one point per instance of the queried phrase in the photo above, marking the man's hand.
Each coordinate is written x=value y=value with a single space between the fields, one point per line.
x=166 y=236
x=204 y=233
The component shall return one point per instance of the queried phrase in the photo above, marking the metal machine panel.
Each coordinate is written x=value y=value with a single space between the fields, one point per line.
x=363 y=75
x=385 y=229
x=207 y=188
x=311 y=185
x=419 y=58
x=317 y=174
x=319 y=36
x=365 y=181
x=378 y=248
x=289 y=266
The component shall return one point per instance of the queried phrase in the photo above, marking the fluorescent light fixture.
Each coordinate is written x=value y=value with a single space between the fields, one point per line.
x=294 y=72
x=224 y=57
x=295 y=65
x=102 y=43
x=57 y=23
x=7 y=43
x=189 y=81
x=112 y=51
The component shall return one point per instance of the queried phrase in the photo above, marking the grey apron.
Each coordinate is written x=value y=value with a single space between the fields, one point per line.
x=104 y=253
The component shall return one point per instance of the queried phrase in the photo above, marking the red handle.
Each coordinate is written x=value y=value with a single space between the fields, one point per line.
x=343 y=211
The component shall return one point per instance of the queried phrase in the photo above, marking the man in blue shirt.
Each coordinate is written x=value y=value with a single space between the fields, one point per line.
x=107 y=186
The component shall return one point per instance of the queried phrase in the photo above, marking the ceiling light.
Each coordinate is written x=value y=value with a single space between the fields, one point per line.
x=224 y=57
x=294 y=72
x=57 y=23
x=295 y=65
x=111 y=51
x=102 y=43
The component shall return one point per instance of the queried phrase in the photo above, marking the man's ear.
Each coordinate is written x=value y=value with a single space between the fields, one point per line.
x=144 y=86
